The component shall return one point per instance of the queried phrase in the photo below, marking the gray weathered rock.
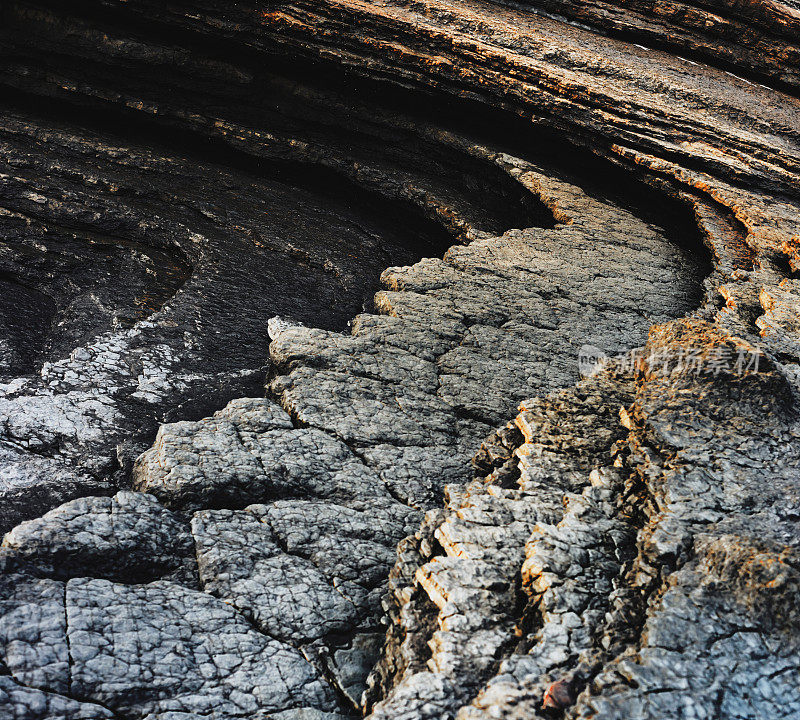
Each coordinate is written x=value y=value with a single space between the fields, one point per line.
x=149 y=650
x=128 y=538
x=667 y=587
x=173 y=175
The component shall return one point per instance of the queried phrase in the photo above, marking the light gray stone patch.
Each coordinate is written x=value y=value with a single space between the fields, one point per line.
x=195 y=465
x=367 y=412
x=490 y=390
x=705 y=655
x=311 y=528
x=143 y=650
x=255 y=415
x=160 y=647
x=307 y=714
x=287 y=597
x=46 y=419
x=425 y=341
x=129 y=537
x=18 y=702
x=418 y=475
x=250 y=453
x=357 y=355
x=33 y=641
x=302 y=570
x=309 y=463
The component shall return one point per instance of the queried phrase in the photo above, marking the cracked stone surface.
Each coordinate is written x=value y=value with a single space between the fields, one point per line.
x=364 y=409
x=302 y=570
x=184 y=183
x=656 y=574
x=544 y=493
x=128 y=537
x=20 y=701
x=149 y=650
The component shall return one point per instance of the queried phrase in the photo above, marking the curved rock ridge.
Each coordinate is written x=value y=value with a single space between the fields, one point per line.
x=628 y=547
x=721 y=144
x=702 y=133
x=155 y=266
x=461 y=340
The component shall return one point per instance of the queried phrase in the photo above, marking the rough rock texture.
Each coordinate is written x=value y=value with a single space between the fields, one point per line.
x=663 y=585
x=758 y=38
x=176 y=174
x=375 y=411
x=157 y=268
x=128 y=537
x=541 y=510
x=156 y=651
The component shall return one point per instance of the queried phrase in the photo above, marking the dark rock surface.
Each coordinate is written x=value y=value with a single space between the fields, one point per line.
x=186 y=183
x=163 y=272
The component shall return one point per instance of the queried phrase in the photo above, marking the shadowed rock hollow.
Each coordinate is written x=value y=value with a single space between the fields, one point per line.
x=375 y=534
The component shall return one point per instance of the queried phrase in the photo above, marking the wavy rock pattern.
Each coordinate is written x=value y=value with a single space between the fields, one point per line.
x=628 y=546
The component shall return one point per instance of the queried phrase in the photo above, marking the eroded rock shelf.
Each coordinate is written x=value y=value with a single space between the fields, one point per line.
x=292 y=423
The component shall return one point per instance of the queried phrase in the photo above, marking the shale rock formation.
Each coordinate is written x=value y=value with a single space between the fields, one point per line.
x=434 y=510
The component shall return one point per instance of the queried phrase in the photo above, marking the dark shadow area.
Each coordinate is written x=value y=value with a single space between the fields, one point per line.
x=25 y=319
x=66 y=285
x=253 y=83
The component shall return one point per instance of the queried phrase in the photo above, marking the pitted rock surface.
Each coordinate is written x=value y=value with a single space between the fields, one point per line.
x=564 y=451
x=248 y=452
x=302 y=570
x=20 y=701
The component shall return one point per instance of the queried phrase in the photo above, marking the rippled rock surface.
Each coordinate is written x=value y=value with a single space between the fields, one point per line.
x=239 y=482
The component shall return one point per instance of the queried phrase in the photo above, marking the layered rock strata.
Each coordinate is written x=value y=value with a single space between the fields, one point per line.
x=629 y=548
x=755 y=39
x=155 y=275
